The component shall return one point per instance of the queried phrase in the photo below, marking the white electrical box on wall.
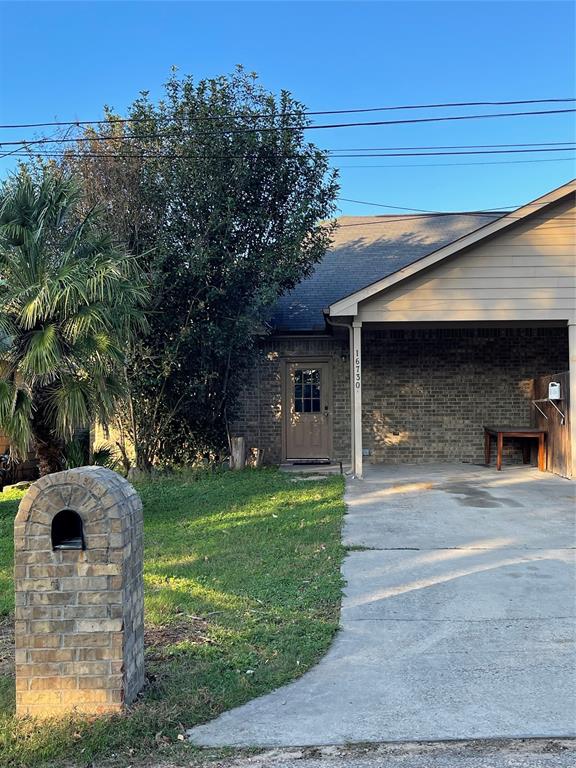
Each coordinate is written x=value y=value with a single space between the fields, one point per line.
x=554 y=391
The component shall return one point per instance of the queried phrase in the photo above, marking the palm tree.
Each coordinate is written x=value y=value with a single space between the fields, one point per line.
x=71 y=302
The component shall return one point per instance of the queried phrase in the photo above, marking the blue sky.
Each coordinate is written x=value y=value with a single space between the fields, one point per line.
x=65 y=60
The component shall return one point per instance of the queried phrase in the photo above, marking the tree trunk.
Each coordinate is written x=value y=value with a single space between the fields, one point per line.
x=238 y=453
x=50 y=457
x=49 y=448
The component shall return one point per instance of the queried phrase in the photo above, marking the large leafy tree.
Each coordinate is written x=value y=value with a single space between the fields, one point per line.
x=217 y=186
x=70 y=305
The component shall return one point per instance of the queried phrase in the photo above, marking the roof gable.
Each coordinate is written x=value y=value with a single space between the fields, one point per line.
x=365 y=249
x=349 y=304
x=527 y=273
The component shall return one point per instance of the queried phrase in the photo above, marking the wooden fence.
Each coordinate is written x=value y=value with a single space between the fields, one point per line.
x=559 y=452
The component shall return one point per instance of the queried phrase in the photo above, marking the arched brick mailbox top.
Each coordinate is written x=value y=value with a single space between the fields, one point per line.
x=107 y=504
x=79 y=609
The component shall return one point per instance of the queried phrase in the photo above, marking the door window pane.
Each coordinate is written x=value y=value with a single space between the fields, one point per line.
x=307 y=390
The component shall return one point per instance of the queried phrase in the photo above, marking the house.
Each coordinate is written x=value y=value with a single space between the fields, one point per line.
x=413 y=333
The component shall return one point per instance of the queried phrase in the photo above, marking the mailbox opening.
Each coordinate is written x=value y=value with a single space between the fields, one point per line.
x=67 y=530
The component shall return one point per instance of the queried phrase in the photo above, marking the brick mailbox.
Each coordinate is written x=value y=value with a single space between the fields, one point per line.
x=78 y=547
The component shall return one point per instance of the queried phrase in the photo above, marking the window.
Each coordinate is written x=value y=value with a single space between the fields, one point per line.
x=307 y=390
x=67 y=530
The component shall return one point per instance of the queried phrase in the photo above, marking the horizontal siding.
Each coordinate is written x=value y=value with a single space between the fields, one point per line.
x=528 y=273
x=469 y=315
x=510 y=255
x=496 y=252
x=495 y=285
x=543 y=272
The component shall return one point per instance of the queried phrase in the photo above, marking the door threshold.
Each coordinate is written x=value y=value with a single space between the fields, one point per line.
x=325 y=468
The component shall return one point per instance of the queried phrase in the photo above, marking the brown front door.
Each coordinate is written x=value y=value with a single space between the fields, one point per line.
x=307 y=415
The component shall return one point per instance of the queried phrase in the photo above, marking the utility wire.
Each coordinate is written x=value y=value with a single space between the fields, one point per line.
x=383 y=220
x=108 y=121
x=173 y=156
x=331 y=150
x=425 y=213
x=495 y=209
x=296 y=128
x=424 y=210
x=451 y=146
x=459 y=165
x=459 y=152
x=395 y=219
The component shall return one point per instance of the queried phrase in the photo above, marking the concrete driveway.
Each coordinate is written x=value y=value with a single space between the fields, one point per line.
x=458 y=618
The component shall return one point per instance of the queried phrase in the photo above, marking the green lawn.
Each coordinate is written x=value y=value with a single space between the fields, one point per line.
x=242 y=594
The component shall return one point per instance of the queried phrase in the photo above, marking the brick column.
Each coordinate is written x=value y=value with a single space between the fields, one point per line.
x=79 y=594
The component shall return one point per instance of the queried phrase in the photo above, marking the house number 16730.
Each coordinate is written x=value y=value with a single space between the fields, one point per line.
x=357 y=374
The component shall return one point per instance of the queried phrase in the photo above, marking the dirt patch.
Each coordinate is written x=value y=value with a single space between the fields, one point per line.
x=159 y=641
x=6 y=646
x=486 y=753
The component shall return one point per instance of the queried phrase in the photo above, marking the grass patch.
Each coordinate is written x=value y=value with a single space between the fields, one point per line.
x=242 y=590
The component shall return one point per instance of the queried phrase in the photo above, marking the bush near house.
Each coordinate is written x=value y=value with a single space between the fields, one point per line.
x=242 y=581
x=219 y=192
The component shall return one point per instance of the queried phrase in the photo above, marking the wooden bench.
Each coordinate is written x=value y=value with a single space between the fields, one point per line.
x=525 y=433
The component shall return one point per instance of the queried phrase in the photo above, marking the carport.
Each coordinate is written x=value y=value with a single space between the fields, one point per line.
x=513 y=279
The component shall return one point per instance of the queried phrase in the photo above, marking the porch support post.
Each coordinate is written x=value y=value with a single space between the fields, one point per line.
x=356 y=357
x=572 y=384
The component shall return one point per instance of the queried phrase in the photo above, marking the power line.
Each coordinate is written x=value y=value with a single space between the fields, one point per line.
x=401 y=165
x=17 y=152
x=490 y=211
x=451 y=146
x=395 y=219
x=173 y=156
x=559 y=144
x=268 y=129
x=459 y=152
x=108 y=121
x=460 y=165
x=424 y=210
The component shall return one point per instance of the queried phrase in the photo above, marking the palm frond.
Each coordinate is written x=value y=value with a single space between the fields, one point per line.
x=42 y=354
x=105 y=456
x=74 y=454
x=68 y=404
x=16 y=421
x=71 y=305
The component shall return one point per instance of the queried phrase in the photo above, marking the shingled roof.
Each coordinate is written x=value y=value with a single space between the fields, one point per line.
x=366 y=249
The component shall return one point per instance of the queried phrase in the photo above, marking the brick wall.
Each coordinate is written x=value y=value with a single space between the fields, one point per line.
x=258 y=415
x=426 y=393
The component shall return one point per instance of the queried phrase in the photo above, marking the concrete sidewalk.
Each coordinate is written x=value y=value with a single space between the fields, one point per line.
x=457 y=623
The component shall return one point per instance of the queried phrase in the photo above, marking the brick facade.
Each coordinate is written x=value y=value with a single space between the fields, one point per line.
x=258 y=414
x=426 y=393
x=79 y=629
